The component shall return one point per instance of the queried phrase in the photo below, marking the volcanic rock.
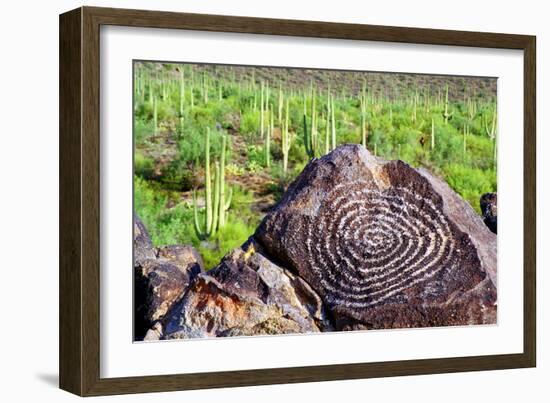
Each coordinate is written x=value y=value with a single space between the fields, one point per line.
x=247 y=294
x=488 y=205
x=383 y=244
x=143 y=247
x=185 y=257
x=159 y=281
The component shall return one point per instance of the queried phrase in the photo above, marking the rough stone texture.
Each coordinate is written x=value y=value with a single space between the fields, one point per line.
x=383 y=244
x=185 y=257
x=158 y=285
x=247 y=294
x=143 y=247
x=488 y=205
x=159 y=282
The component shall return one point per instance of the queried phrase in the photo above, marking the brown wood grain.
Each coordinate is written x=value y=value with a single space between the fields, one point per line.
x=70 y=271
x=80 y=195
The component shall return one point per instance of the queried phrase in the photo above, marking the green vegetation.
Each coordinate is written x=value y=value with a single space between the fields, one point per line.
x=216 y=146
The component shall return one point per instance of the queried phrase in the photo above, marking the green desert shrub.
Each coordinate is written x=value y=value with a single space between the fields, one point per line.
x=144 y=167
x=470 y=183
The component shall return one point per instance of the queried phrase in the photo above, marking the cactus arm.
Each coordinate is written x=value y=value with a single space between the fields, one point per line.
x=208 y=184
x=225 y=207
x=221 y=184
x=228 y=200
x=216 y=206
x=267 y=143
x=198 y=230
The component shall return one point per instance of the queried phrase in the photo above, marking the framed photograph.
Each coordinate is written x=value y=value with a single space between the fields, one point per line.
x=249 y=201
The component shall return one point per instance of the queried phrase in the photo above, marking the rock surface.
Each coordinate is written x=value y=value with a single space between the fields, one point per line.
x=247 y=294
x=143 y=247
x=185 y=257
x=160 y=279
x=383 y=244
x=488 y=205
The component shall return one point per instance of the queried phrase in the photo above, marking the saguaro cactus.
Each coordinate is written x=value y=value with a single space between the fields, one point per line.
x=268 y=141
x=307 y=139
x=285 y=140
x=224 y=202
x=182 y=98
x=204 y=88
x=433 y=134
x=208 y=227
x=327 y=131
x=414 y=106
x=192 y=93
x=281 y=101
x=447 y=115
x=155 y=115
x=363 y=106
x=182 y=90
x=466 y=132
x=491 y=131
x=216 y=204
x=310 y=134
x=333 y=123
x=262 y=109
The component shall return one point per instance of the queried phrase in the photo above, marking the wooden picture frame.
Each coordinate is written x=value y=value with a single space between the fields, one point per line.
x=80 y=200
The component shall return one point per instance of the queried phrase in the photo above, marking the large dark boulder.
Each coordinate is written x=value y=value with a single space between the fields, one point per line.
x=488 y=205
x=383 y=244
x=161 y=278
x=246 y=294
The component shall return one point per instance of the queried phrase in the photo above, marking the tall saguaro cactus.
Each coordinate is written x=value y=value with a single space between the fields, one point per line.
x=182 y=90
x=433 y=134
x=281 y=100
x=155 y=116
x=224 y=202
x=447 y=114
x=466 y=133
x=285 y=140
x=204 y=88
x=491 y=131
x=268 y=140
x=333 y=122
x=327 y=132
x=216 y=204
x=363 y=106
x=182 y=98
x=208 y=227
x=310 y=134
x=262 y=109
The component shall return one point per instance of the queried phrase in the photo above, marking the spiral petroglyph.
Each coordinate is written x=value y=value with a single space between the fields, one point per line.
x=385 y=245
x=381 y=242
